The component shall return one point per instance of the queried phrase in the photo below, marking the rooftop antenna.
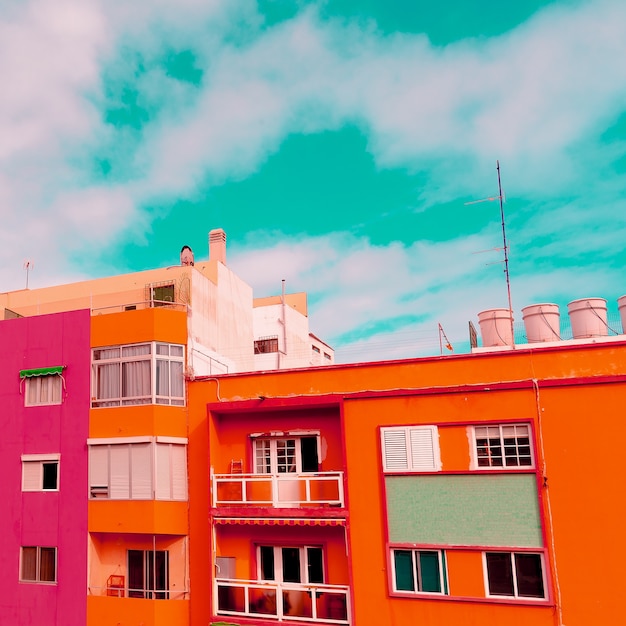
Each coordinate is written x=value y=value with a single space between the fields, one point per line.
x=28 y=266
x=500 y=197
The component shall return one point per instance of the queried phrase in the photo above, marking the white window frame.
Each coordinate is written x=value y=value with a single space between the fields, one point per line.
x=159 y=354
x=33 y=471
x=410 y=449
x=138 y=468
x=278 y=562
x=417 y=576
x=273 y=444
x=37 y=578
x=515 y=595
x=44 y=390
x=476 y=433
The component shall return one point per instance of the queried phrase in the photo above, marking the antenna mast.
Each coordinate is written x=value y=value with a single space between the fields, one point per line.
x=506 y=253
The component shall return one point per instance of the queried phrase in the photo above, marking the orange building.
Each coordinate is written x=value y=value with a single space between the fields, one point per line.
x=438 y=490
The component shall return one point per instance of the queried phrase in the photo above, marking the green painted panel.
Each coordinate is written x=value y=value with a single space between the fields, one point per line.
x=469 y=509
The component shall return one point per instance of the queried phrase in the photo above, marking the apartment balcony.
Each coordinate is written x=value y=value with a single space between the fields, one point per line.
x=311 y=604
x=289 y=490
x=108 y=609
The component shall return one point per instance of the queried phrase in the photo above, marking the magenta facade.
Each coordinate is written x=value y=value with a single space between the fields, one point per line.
x=38 y=515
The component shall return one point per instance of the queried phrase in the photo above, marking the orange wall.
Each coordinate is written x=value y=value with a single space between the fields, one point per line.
x=137 y=421
x=138 y=516
x=580 y=499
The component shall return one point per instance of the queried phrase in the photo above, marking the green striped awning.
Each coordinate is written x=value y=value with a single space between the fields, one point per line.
x=42 y=371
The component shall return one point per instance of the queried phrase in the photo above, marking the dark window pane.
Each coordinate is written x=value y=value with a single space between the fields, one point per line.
x=291 y=565
x=267 y=562
x=500 y=574
x=529 y=575
x=47 y=565
x=135 y=574
x=308 y=448
x=50 y=471
x=29 y=563
x=429 y=572
x=314 y=565
x=404 y=570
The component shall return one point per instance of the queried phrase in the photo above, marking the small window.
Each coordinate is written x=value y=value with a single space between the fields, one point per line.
x=42 y=386
x=38 y=564
x=515 y=574
x=162 y=295
x=419 y=571
x=503 y=445
x=315 y=349
x=410 y=449
x=40 y=472
x=327 y=356
x=266 y=345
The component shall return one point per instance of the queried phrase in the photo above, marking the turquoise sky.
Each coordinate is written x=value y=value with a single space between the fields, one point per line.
x=336 y=142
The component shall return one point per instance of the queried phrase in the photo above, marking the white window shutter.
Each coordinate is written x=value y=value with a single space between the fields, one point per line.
x=395 y=450
x=163 y=472
x=98 y=466
x=141 y=471
x=120 y=472
x=423 y=455
x=32 y=479
x=179 y=472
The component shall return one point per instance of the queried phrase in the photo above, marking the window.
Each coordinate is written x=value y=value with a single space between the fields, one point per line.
x=419 y=571
x=315 y=349
x=140 y=469
x=266 y=345
x=40 y=472
x=43 y=386
x=514 y=574
x=327 y=356
x=143 y=373
x=148 y=574
x=38 y=564
x=291 y=564
x=503 y=445
x=161 y=294
x=288 y=455
x=410 y=449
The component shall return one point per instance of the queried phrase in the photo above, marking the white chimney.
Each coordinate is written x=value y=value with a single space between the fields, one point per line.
x=217 y=245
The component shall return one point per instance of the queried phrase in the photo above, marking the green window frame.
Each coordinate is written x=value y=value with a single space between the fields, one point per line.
x=419 y=571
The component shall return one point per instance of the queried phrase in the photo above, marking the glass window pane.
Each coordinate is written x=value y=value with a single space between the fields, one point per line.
x=291 y=565
x=429 y=571
x=403 y=563
x=529 y=575
x=314 y=565
x=50 y=473
x=29 y=563
x=500 y=574
x=267 y=562
x=47 y=566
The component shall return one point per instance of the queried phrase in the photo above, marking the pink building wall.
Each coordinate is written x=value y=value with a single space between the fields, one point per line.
x=47 y=518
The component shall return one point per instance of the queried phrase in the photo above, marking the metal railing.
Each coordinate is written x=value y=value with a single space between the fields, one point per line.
x=279 y=490
x=324 y=604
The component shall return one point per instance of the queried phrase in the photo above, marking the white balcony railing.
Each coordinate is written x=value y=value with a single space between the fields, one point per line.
x=322 y=604
x=279 y=490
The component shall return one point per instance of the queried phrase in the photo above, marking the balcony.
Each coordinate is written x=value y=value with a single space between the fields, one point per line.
x=313 y=604
x=279 y=490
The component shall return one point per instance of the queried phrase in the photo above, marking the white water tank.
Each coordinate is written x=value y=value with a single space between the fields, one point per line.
x=542 y=322
x=495 y=327
x=588 y=318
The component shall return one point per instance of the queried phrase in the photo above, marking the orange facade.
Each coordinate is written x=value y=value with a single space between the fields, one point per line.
x=465 y=495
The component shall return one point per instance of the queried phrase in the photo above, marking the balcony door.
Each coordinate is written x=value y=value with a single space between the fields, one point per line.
x=297 y=565
x=148 y=574
x=293 y=455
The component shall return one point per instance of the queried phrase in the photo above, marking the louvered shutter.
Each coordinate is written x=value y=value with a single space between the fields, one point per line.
x=98 y=466
x=395 y=456
x=163 y=472
x=422 y=449
x=179 y=471
x=141 y=471
x=31 y=476
x=120 y=472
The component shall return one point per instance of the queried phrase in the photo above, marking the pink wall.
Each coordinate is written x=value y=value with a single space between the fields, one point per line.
x=48 y=518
